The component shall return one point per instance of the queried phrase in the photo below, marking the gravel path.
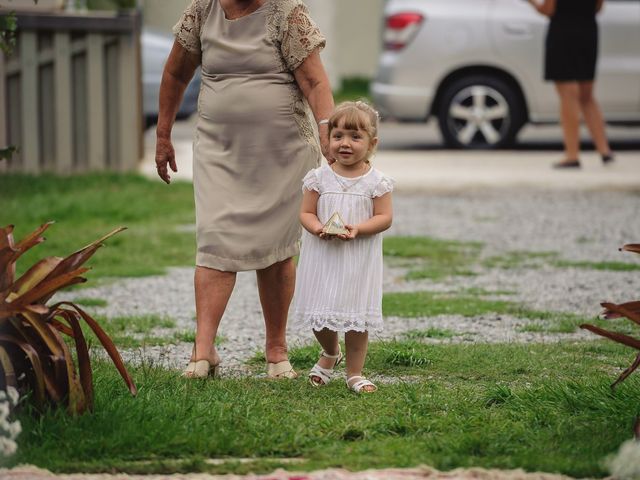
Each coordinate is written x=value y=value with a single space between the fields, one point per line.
x=578 y=225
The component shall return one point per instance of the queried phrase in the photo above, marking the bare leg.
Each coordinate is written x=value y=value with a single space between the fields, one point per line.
x=570 y=118
x=275 y=285
x=356 y=345
x=328 y=339
x=213 y=289
x=593 y=118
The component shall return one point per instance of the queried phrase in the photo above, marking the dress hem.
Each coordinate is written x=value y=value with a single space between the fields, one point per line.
x=209 y=260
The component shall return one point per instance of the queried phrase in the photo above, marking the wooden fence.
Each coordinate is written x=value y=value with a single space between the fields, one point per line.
x=70 y=94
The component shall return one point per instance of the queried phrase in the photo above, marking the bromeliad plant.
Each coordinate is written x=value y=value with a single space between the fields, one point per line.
x=34 y=355
x=630 y=310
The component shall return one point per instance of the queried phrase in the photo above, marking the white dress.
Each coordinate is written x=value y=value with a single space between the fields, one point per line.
x=339 y=284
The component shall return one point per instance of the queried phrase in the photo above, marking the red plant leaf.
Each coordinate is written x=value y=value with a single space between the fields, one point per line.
x=631 y=247
x=76 y=259
x=107 y=343
x=32 y=277
x=632 y=306
x=616 y=337
x=61 y=327
x=6 y=236
x=75 y=394
x=8 y=257
x=6 y=365
x=51 y=285
x=34 y=238
x=621 y=311
x=32 y=355
x=627 y=372
x=42 y=333
x=84 y=361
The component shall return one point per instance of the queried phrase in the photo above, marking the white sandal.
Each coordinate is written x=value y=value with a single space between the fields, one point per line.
x=324 y=374
x=360 y=384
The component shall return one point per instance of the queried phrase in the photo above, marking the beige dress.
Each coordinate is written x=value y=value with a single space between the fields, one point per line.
x=254 y=138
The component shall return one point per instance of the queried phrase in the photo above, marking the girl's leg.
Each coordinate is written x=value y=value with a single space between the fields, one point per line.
x=275 y=285
x=570 y=118
x=328 y=339
x=213 y=289
x=356 y=345
x=593 y=118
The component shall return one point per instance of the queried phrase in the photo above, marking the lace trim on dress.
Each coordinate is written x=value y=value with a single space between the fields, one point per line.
x=310 y=181
x=187 y=30
x=301 y=37
x=385 y=185
x=286 y=20
x=342 y=322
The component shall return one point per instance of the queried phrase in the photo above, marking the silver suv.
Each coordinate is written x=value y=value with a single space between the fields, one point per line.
x=477 y=65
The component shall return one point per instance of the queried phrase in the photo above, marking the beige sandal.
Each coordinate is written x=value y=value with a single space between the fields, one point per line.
x=201 y=369
x=281 y=370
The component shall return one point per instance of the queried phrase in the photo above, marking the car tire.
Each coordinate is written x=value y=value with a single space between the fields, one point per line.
x=480 y=112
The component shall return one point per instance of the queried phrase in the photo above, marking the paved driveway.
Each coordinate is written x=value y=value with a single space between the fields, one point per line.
x=413 y=156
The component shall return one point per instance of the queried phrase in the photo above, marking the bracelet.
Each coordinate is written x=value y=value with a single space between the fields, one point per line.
x=324 y=121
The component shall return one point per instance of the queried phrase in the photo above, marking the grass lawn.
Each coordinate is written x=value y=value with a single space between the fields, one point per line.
x=545 y=407
x=538 y=407
x=89 y=206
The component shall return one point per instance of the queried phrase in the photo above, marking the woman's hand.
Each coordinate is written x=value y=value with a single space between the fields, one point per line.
x=323 y=131
x=165 y=155
x=353 y=233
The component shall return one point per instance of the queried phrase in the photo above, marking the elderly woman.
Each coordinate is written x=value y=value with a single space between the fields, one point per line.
x=263 y=86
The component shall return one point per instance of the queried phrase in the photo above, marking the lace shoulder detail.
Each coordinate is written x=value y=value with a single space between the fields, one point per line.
x=187 y=30
x=311 y=180
x=384 y=185
x=293 y=30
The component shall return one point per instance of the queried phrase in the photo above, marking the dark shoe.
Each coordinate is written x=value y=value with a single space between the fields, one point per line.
x=606 y=159
x=567 y=164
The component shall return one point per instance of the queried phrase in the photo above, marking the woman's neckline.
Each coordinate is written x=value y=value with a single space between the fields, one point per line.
x=227 y=19
x=352 y=178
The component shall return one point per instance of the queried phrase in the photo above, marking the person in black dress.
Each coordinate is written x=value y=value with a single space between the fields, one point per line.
x=571 y=51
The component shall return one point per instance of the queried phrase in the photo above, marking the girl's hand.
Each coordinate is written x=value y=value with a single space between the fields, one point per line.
x=324 y=236
x=353 y=233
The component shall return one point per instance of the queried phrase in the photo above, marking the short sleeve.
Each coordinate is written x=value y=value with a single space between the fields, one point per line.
x=301 y=37
x=311 y=181
x=385 y=185
x=187 y=30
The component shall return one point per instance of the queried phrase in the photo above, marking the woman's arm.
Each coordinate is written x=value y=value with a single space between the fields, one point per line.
x=309 y=212
x=314 y=83
x=381 y=220
x=546 y=7
x=176 y=76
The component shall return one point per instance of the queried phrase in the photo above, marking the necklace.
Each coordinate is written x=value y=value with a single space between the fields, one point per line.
x=346 y=186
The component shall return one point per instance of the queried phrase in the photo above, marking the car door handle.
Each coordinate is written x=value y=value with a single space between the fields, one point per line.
x=518 y=29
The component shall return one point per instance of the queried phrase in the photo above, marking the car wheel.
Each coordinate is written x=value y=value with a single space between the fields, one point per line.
x=480 y=112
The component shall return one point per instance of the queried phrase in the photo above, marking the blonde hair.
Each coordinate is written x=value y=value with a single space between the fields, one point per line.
x=359 y=115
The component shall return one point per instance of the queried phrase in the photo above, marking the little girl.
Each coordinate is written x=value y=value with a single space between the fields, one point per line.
x=339 y=276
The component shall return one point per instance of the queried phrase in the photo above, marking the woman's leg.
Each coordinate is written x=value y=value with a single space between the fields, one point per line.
x=593 y=118
x=275 y=285
x=213 y=289
x=569 y=94
x=356 y=345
